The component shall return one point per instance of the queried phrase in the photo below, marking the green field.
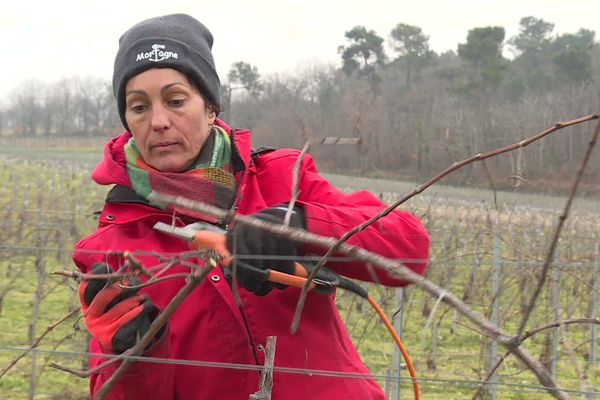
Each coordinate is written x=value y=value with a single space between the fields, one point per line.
x=48 y=205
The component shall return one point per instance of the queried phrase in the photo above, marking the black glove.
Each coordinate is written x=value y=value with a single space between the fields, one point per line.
x=244 y=240
x=115 y=316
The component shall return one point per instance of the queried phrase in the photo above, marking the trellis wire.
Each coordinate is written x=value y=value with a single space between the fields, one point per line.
x=297 y=371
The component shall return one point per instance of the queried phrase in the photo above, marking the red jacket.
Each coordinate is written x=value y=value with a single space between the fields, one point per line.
x=210 y=327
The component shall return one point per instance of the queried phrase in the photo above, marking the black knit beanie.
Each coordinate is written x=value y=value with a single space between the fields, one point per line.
x=175 y=41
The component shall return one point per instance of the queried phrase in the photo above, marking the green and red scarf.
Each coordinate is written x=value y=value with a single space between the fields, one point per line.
x=210 y=180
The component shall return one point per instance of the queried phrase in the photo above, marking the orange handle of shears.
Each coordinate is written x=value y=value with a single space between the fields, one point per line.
x=216 y=241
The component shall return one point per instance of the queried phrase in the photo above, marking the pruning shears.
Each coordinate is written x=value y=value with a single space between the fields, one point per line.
x=202 y=235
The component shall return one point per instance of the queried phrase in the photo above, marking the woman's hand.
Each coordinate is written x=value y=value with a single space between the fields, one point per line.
x=117 y=317
x=244 y=240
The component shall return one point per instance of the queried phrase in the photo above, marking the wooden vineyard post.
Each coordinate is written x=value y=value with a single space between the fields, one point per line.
x=594 y=314
x=266 y=379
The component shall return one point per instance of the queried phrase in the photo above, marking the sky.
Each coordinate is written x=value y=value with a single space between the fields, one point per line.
x=50 y=40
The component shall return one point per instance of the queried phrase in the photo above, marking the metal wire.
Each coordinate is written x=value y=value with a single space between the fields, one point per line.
x=299 y=371
x=175 y=254
x=453 y=261
x=446 y=262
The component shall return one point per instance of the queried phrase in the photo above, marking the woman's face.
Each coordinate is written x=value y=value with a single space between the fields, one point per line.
x=167 y=117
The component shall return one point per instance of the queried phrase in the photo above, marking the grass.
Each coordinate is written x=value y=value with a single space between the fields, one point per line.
x=14 y=323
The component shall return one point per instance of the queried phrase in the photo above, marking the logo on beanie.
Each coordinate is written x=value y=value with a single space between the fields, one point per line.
x=158 y=53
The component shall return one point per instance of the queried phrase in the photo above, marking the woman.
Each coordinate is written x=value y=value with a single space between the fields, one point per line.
x=167 y=92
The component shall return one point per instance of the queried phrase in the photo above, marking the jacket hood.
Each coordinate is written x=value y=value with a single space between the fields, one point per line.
x=112 y=169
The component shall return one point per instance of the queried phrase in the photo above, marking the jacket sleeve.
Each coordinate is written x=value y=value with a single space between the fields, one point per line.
x=143 y=380
x=331 y=212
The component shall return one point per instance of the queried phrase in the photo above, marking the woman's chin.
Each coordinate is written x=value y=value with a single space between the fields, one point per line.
x=165 y=165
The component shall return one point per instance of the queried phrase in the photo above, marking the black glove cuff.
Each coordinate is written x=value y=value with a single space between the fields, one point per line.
x=262 y=250
x=297 y=219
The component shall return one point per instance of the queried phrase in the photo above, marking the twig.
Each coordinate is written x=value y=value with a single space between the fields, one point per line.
x=491 y=182
x=195 y=278
x=433 y=310
x=295 y=179
x=122 y=274
x=80 y=276
x=182 y=275
x=136 y=265
x=49 y=329
x=556 y=324
x=444 y=173
x=4 y=289
x=578 y=371
x=286 y=222
x=556 y=236
x=526 y=336
x=87 y=373
x=47 y=360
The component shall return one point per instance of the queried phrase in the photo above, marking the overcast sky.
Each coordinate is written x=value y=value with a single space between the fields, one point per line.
x=49 y=40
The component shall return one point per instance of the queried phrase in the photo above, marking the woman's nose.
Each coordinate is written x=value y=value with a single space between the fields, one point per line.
x=160 y=118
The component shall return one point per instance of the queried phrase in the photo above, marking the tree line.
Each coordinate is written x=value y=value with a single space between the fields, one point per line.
x=414 y=110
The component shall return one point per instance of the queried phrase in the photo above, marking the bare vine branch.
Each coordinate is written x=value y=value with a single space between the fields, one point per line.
x=526 y=336
x=563 y=217
x=393 y=267
x=194 y=279
x=295 y=180
x=397 y=269
x=444 y=173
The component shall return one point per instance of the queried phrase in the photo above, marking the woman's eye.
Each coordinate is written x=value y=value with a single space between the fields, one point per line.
x=176 y=102
x=138 y=108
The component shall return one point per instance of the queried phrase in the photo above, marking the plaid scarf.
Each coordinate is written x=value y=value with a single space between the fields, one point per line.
x=210 y=180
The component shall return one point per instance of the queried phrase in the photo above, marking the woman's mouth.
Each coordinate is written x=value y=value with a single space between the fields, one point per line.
x=163 y=145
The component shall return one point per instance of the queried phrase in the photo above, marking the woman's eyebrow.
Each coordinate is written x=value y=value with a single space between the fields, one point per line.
x=170 y=85
x=162 y=90
x=136 y=91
